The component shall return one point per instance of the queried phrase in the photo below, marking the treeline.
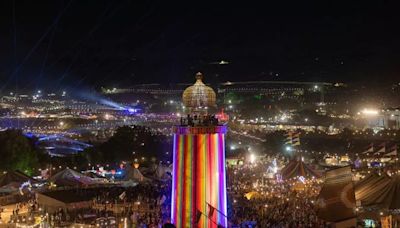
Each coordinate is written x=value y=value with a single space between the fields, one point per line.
x=18 y=152
x=129 y=143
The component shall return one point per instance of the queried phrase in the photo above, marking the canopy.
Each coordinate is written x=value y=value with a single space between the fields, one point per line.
x=15 y=178
x=297 y=168
x=69 y=177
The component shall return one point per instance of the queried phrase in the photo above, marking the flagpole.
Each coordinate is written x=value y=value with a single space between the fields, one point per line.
x=208 y=219
x=217 y=210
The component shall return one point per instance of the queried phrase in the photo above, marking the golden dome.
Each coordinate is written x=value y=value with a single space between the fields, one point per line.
x=198 y=95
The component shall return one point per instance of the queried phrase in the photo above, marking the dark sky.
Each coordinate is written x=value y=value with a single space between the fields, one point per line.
x=116 y=43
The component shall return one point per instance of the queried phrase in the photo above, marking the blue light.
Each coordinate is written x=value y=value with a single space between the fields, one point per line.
x=131 y=110
x=118 y=173
x=29 y=135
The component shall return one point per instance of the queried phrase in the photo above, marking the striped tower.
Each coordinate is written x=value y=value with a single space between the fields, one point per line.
x=199 y=183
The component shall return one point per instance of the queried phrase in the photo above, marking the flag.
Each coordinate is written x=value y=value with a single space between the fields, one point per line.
x=162 y=200
x=211 y=210
x=296 y=140
x=198 y=216
x=370 y=149
x=392 y=151
x=293 y=139
x=288 y=138
x=382 y=149
x=123 y=195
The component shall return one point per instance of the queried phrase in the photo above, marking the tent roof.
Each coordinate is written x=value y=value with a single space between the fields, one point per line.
x=336 y=195
x=15 y=177
x=132 y=173
x=366 y=180
x=94 y=175
x=69 y=177
x=384 y=194
x=370 y=185
x=69 y=196
x=297 y=168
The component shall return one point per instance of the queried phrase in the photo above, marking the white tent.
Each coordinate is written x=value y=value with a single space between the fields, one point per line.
x=163 y=172
x=69 y=177
x=132 y=173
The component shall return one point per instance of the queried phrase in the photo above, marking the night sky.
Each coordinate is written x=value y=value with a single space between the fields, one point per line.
x=76 y=43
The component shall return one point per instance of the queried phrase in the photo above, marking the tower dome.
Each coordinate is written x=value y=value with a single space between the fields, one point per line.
x=199 y=95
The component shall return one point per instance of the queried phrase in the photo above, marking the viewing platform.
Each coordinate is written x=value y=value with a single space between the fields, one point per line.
x=199 y=124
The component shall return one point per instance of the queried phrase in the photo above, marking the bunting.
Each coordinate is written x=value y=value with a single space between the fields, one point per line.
x=370 y=149
x=392 y=151
x=382 y=149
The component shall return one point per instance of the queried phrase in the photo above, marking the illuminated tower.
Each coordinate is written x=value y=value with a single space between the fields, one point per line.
x=199 y=179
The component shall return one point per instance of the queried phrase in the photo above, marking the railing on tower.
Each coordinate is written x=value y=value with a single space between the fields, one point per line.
x=199 y=124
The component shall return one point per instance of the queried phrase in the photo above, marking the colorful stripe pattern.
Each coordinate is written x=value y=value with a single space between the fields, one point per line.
x=199 y=181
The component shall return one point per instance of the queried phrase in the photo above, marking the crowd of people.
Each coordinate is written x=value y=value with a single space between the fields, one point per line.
x=199 y=120
x=144 y=205
x=258 y=200
x=24 y=211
